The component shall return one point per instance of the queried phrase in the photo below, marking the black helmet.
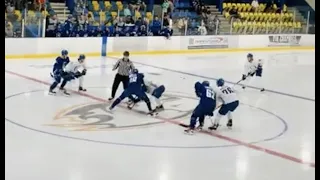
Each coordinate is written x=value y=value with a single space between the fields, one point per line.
x=82 y=57
x=126 y=53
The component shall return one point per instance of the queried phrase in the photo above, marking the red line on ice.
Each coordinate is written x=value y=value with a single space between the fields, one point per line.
x=235 y=141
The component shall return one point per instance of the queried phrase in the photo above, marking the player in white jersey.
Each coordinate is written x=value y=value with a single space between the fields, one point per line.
x=154 y=91
x=74 y=70
x=79 y=69
x=251 y=68
x=230 y=102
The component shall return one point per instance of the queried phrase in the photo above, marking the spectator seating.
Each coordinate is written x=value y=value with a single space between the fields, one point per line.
x=183 y=9
x=31 y=17
x=108 y=10
x=184 y=14
x=32 y=13
x=260 y=21
x=265 y=27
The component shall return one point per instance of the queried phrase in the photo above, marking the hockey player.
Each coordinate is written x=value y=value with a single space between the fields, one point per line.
x=135 y=87
x=74 y=70
x=252 y=68
x=229 y=103
x=205 y=107
x=57 y=72
x=155 y=91
x=81 y=61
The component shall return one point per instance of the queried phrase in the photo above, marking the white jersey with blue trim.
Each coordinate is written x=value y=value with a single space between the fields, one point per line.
x=74 y=67
x=226 y=94
x=151 y=86
x=251 y=67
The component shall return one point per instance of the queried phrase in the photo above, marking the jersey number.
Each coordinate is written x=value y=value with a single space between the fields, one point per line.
x=228 y=90
x=133 y=79
x=209 y=93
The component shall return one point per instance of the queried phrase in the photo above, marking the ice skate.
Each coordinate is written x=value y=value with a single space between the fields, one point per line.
x=200 y=127
x=64 y=91
x=51 y=92
x=159 y=108
x=229 y=124
x=131 y=104
x=151 y=113
x=214 y=127
x=82 y=89
x=189 y=131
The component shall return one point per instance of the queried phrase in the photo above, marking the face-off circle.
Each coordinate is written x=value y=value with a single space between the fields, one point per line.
x=90 y=122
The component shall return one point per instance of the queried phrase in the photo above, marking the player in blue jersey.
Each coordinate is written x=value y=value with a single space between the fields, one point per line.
x=135 y=87
x=57 y=72
x=206 y=105
x=155 y=91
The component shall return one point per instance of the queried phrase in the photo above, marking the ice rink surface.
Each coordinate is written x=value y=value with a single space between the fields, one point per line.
x=75 y=138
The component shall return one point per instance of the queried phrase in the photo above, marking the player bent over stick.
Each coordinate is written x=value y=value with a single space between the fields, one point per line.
x=252 y=68
x=206 y=106
x=230 y=103
x=155 y=92
x=135 y=87
x=57 y=72
x=72 y=70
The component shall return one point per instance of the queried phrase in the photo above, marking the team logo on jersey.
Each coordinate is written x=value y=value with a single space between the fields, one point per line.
x=96 y=117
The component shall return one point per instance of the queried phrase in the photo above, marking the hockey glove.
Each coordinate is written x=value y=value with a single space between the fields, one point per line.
x=84 y=72
x=77 y=74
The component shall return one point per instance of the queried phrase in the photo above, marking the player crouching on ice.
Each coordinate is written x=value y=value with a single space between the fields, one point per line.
x=230 y=103
x=57 y=72
x=73 y=70
x=155 y=92
x=135 y=87
x=252 y=68
x=206 y=106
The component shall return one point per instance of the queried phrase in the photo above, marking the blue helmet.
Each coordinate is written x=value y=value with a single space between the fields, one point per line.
x=82 y=57
x=206 y=83
x=220 y=82
x=249 y=55
x=134 y=71
x=64 y=52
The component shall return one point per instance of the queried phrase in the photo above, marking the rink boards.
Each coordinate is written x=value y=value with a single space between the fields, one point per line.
x=114 y=46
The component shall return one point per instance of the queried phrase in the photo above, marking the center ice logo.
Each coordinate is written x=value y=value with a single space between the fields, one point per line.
x=95 y=117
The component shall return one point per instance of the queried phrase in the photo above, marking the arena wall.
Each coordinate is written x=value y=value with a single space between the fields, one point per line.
x=37 y=48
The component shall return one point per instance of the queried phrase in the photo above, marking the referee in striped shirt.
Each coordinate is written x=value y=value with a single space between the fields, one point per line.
x=124 y=66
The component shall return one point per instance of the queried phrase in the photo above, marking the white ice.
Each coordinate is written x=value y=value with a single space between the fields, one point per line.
x=44 y=142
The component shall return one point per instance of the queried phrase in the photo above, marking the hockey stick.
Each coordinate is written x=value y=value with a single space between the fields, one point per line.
x=241 y=80
x=238 y=82
x=184 y=125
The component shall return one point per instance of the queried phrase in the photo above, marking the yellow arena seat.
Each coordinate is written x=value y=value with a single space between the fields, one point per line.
x=114 y=14
x=107 y=4
x=224 y=6
x=137 y=14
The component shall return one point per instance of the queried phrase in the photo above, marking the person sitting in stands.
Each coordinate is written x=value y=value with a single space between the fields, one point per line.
x=156 y=26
